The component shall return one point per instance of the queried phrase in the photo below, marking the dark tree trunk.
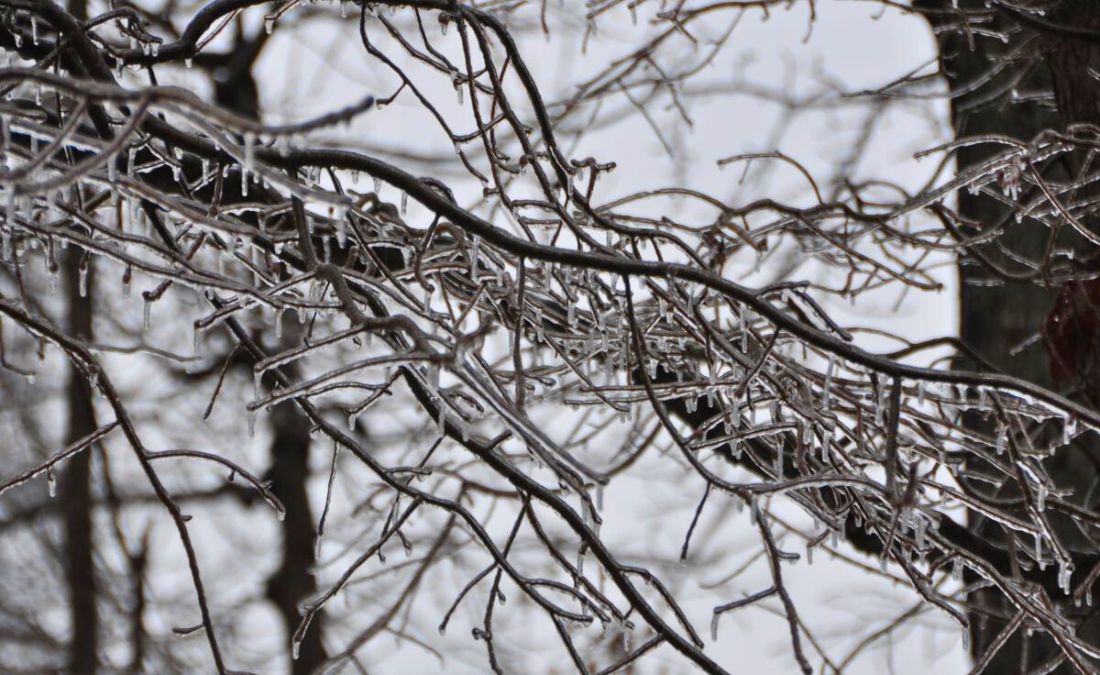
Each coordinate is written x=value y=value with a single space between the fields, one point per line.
x=75 y=484
x=1002 y=321
x=293 y=581
x=76 y=479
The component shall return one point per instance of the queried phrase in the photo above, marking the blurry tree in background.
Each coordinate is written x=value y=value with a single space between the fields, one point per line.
x=312 y=391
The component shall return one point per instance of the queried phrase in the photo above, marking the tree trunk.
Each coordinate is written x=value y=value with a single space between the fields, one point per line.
x=293 y=581
x=1002 y=321
x=75 y=484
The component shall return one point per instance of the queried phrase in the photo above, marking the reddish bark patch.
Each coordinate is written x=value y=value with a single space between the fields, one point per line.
x=1072 y=337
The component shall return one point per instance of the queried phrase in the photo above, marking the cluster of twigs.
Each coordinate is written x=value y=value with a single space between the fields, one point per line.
x=548 y=338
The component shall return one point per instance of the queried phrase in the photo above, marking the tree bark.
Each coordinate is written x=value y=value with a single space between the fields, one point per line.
x=1001 y=321
x=75 y=485
x=293 y=581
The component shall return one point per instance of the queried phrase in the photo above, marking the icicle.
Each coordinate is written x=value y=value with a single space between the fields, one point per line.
x=475 y=246
x=880 y=406
x=251 y=423
x=341 y=233
x=146 y=310
x=82 y=278
x=51 y=483
x=1069 y=429
x=269 y=24
x=456 y=80
x=249 y=160
x=1065 y=574
x=404 y=202
x=714 y=627
x=829 y=382
x=377 y=186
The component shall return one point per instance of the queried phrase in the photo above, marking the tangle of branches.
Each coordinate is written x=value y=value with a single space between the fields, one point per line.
x=490 y=340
